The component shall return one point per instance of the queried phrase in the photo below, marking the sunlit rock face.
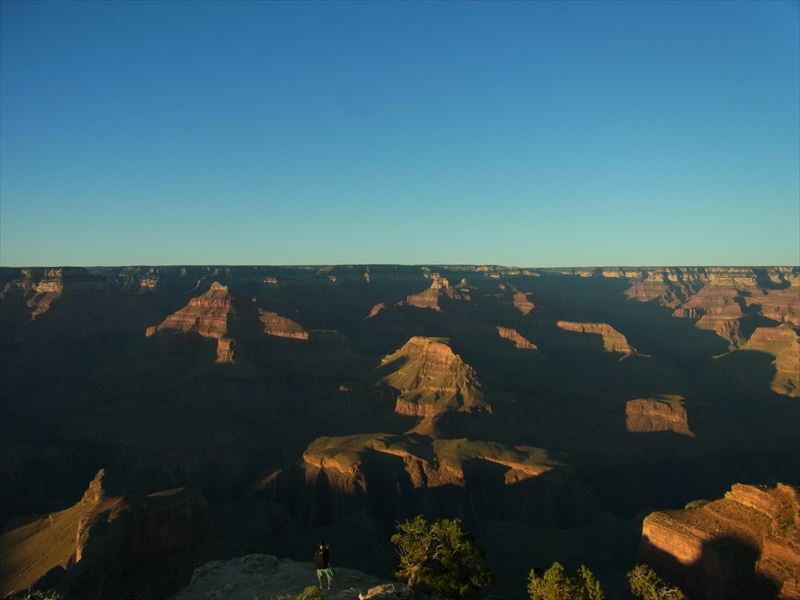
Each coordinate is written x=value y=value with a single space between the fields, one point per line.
x=783 y=343
x=613 y=340
x=430 y=298
x=87 y=550
x=663 y=413
x=430 y=378
x=395 y=476
x=207 y=315
x=513 y=336
x=278 y=326
x=745 y=545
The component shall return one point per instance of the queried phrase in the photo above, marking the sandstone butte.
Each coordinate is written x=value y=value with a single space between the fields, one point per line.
x=440 y=288
x=432 y=379
x=278 y=326
x=745 y=545
x=513 y=336
x=41 y=287
x=664 y=413
x=428 y=463
x=522 y=303
x=207 y=315
x=783 y=343
x=87 y=550
x=613 y=340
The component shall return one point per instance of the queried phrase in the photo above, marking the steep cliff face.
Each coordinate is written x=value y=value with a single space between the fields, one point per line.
x=513 y=336
x=664 y=413
x=396 y=476
x=431 y=379
x=440 y=288
x=745 y=545
x=108 y=545
x=613 y=340
x=782 y=305
x=207 y=315
x=783 y=343
x=717 y=308
x=376 y=309
x=278 y=326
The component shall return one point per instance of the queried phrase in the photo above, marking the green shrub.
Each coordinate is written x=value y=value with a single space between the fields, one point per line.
x=555 y=584
x=439 y=557
x=647 y=585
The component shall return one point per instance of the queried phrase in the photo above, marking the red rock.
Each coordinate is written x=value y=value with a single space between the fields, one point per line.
x=665 y=413
x=613 y=340
x=783 y=343
x=513 y=336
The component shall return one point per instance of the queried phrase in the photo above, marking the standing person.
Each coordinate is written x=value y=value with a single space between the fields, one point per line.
x=322 y=560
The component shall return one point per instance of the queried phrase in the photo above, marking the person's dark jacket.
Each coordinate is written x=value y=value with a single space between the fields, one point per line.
x=322 y=558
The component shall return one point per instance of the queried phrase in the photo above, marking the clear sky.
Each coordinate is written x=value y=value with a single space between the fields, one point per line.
x=537 y=134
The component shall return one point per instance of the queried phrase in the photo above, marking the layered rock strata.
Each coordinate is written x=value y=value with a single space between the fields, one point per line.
x=745 y=545
x=664 y=413
x=783 y=343
x=430 y=378
x=613 y=340
x=513 y=336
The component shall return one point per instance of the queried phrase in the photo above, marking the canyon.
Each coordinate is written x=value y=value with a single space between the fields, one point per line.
x=220 y=412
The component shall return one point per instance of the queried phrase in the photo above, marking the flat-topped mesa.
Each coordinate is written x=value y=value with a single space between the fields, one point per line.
x=708 y=548
x=429 y=298
x=613 y=340
x=664 y=413
x=783 y=343
x=513 y=336
x=279 y=326
x=522 y=303
x=207 y=315
x=432 y=379
x=670 y=287
x=86 y=550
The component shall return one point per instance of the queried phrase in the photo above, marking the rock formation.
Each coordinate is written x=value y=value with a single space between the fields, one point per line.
x=393 y=477
x=429 y=298
x=376 y=309
x=522 y=303
x=278 y=326
x=664 y=413
x=207 y=315
x=613 y=340
x=745 y=545
x=781 y=305
x=718 y=309
x=783 y=343
x=110 y=545
x=265 y=576
x=431 y=379
x=41 y=287
x=513 y=336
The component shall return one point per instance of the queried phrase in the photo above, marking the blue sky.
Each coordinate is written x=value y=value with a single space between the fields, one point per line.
x=537 y=134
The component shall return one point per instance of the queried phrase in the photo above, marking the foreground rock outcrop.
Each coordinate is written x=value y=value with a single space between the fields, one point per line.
x=745 y=545
x=613 y=340
x=783 y=343
x=264 y=577
x=432 y=379
x=110 y=545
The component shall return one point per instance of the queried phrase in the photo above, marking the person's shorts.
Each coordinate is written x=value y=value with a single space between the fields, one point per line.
x=327 y=572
